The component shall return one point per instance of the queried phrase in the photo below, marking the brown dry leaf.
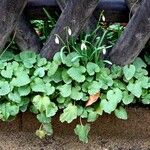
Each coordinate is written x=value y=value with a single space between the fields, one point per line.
x=92 y=99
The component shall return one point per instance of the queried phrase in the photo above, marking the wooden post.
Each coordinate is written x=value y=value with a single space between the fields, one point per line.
x=134 y=38
x=74 y=16
x=10 y=11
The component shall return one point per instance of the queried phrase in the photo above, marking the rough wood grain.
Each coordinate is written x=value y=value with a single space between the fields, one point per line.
x=10 y=11
x=75 y=15
x=90 y=24
x=26 y=37
x=134 y=38
x=133 y=5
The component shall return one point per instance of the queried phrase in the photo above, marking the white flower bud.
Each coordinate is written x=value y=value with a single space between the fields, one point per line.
x=69 y=31
x=56 y=40
x=103 y=18
x=83 y=46
x=104 y=51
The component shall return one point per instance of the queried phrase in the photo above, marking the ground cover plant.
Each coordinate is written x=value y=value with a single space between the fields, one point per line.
x=76 y=83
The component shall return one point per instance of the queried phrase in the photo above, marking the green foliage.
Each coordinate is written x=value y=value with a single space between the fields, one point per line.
x=29 y=81
x=69 y=80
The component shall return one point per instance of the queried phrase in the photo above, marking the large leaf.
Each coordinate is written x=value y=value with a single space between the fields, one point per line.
x=94 y=87
x=76 y=73
x=114 y=95
x=4 y=88
x=92 y=68
x=135 y=89
x=76 y=94
x=21 y=79
x=65 y=90
x=129 y=71
x=69 y=114
x=82 y=131
x=108 y=106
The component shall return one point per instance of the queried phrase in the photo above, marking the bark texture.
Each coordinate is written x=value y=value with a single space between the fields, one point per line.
x=133 y=5
x=134 y=38
x=10 y=11
x=90 y=24
x=26 y=37
x=75 y=15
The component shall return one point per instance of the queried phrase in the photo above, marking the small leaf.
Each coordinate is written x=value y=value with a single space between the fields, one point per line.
x=82 y=131
x=69 y=114
x=121 y=113
x=129 y=71
x=40 y=133
x=65 y=90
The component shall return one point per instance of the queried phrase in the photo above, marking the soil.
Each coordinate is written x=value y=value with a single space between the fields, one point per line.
x=28 y=141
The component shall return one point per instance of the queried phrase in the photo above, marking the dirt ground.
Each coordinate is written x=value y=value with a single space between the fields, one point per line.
x=28 y=141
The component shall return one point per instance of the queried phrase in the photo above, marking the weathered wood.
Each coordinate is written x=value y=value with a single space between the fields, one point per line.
x=133 y=5
x=74 y=16
x=90 y=24
x=10 y=11
x=114 y=10
x=26 y=37
x=134 y=38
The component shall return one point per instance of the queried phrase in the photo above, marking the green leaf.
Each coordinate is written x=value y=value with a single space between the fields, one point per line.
x=8 y=72
x=38 y=85
x=68 y=60
x=92 y=116
x=41 y=102
x=4 y=88
x=69 y=114
x=49 y=89
x=127 y=98
x=114 y=95
x=77 y=73
x=94 y=87
x=47 y=127
x=129 y=71
x=116 y=71
x=65 y=90
x=41 y=62
x=42 y=118
x=92 y=68
x=147 y=58
x=24 y=90
x=52 y=68
x=7 y=56
x=139 y=63
x=15 y=97
x=51 y=109
x=108 y=106
x=66 y=78
x=121 y=113
x=21 y=79
x=76 y=94
x=82 y=131
x=57 y=58
x=135 y=89
x=28 y=58
x=40 y=72
x=146 y=99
